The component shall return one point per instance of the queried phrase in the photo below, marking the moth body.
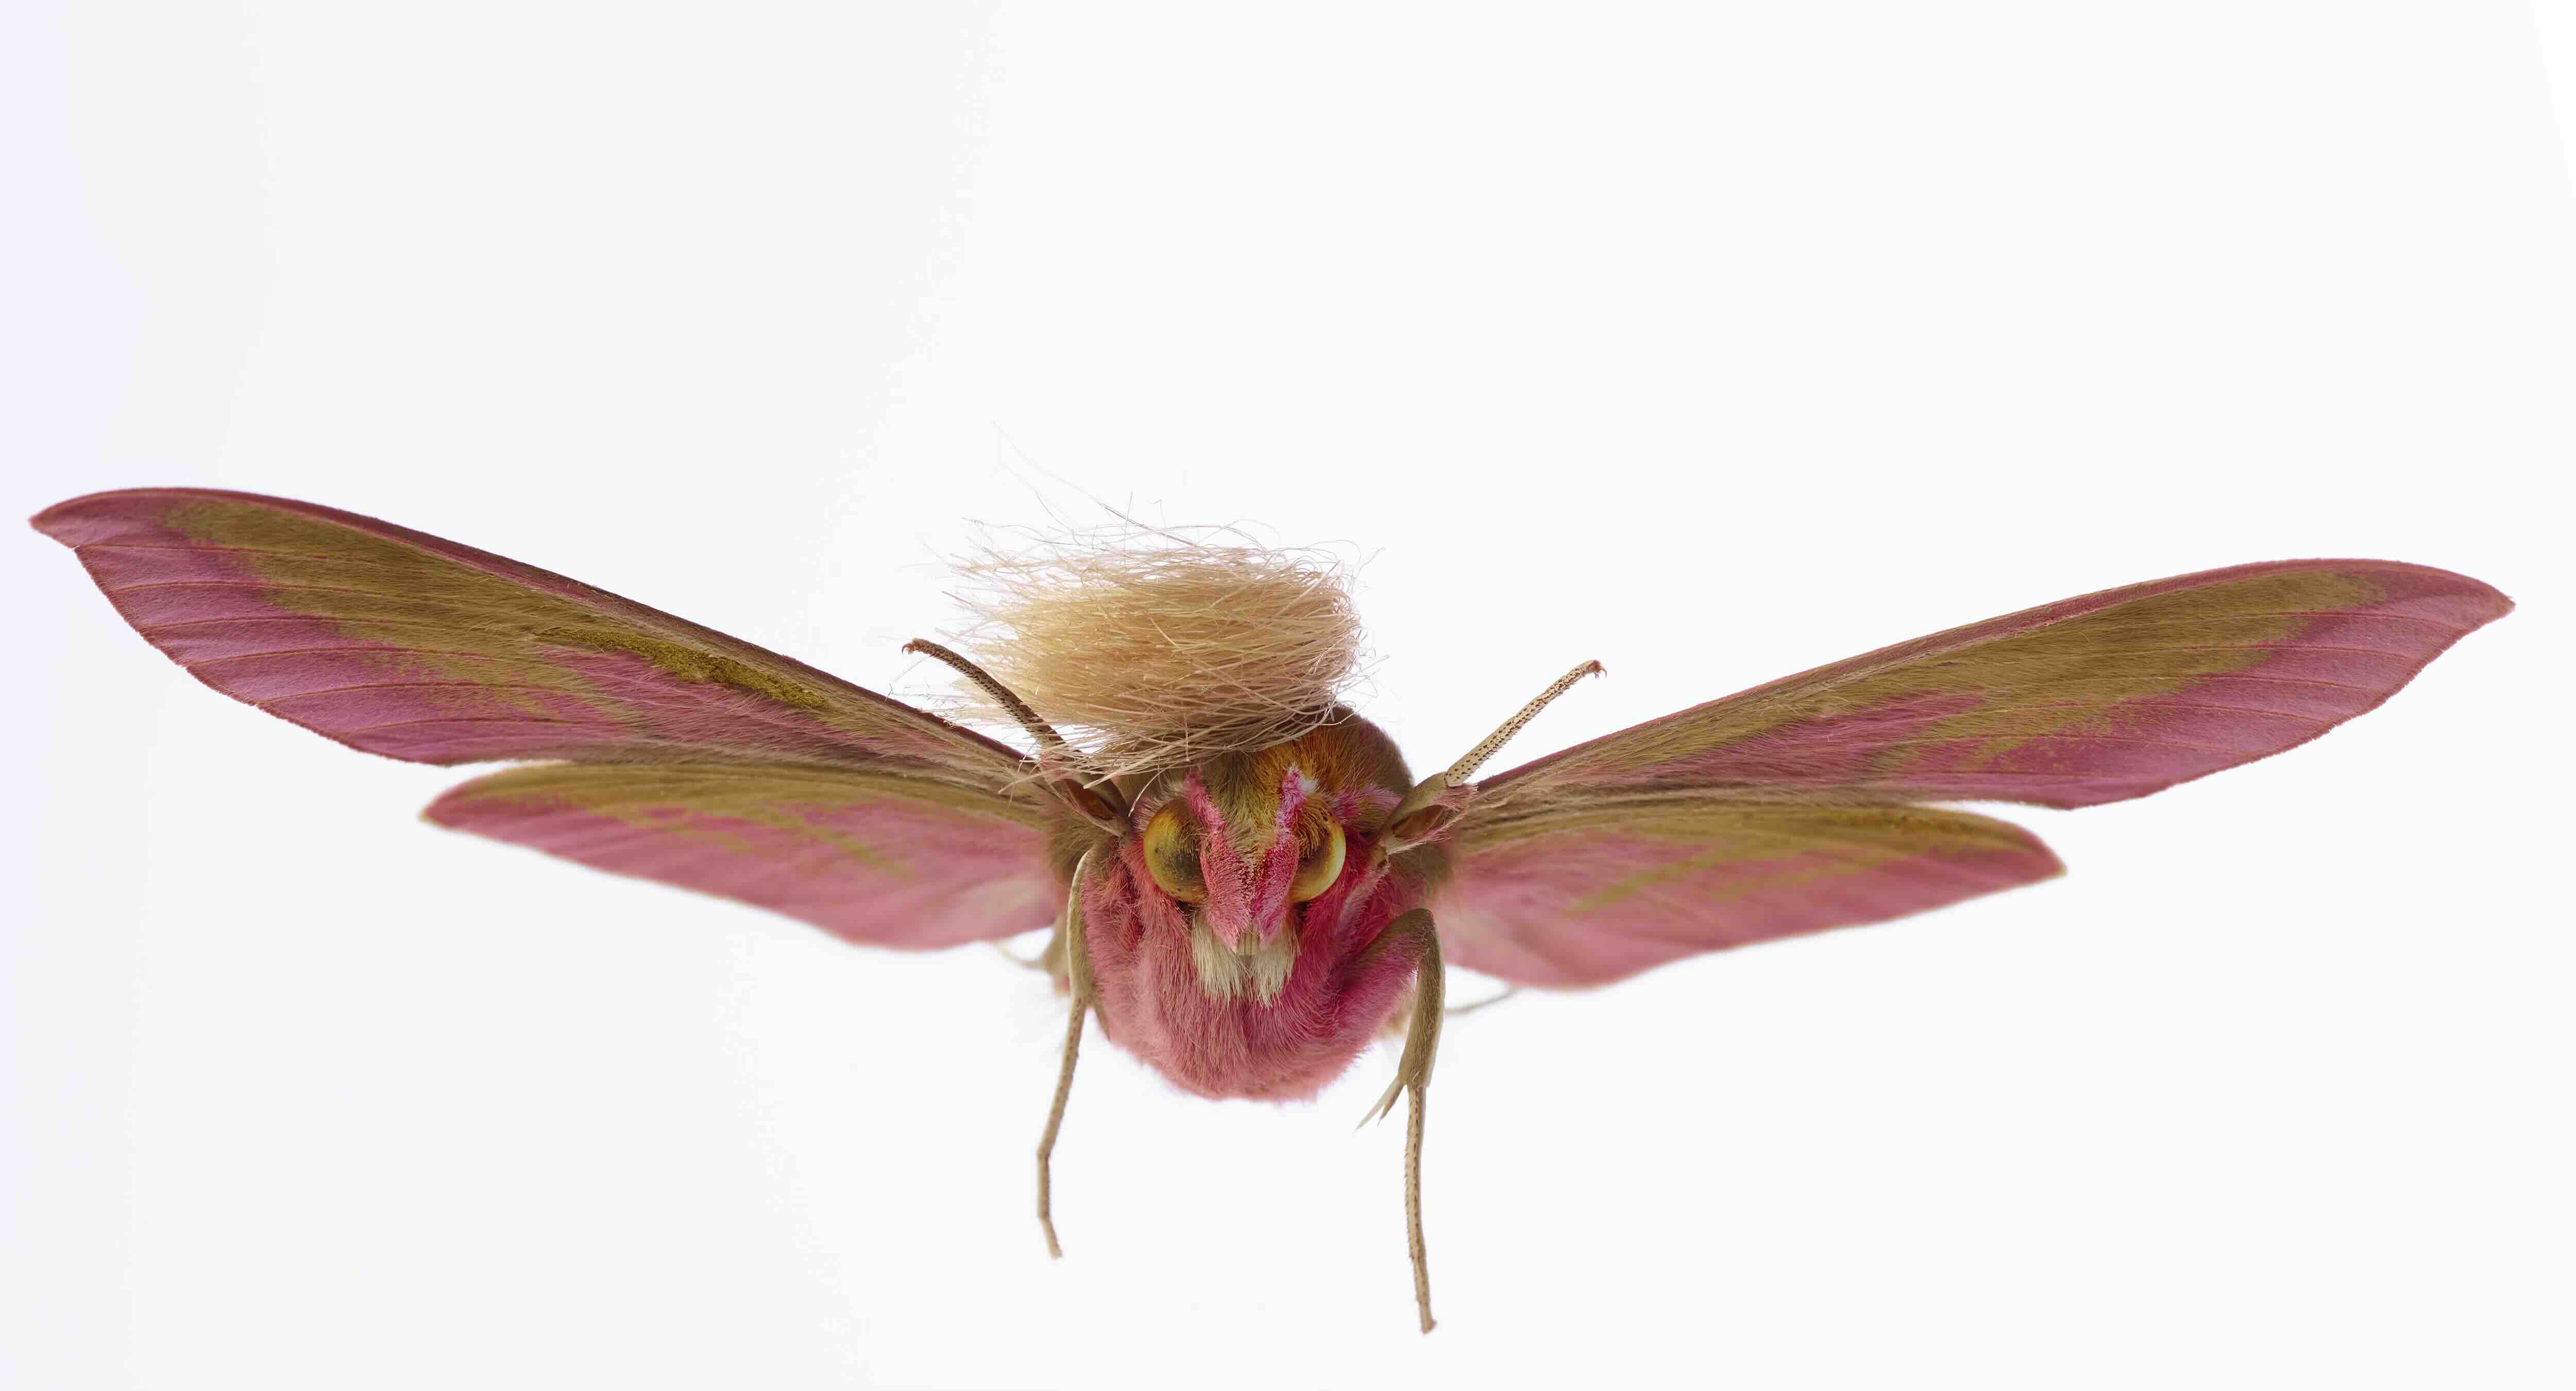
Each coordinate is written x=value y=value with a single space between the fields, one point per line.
x=1213 y=962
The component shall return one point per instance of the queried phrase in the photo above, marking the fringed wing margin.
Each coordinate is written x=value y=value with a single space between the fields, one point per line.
x=403 y=644
x=1789 y=807
x=888 y=861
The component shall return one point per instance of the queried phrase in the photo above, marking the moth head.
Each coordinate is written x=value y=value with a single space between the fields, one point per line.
x=1244 y=847
x=1240 y=855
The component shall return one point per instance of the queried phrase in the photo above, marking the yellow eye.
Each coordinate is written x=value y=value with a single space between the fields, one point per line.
x=1172 y=853
x=1321 y=865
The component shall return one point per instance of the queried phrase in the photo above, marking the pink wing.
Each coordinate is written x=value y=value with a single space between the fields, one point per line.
x=406 y=645
x=2094 y=699
x=697 y=759
x=1591 y=896
x=898 y=862
x=2089 y=700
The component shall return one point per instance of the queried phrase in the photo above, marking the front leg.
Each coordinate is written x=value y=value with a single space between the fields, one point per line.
x=1077 y=967
x=1413 y=935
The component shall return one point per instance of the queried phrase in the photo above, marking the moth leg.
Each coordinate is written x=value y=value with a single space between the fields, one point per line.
x=1055 y=1121
x=1036 y=961
x=1412 y=1079
x=1077 y=962
x=1413 y=1208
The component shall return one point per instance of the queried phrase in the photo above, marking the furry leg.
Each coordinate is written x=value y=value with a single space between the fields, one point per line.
x=1413 y=1075
x=1077 y=970
x=1055 y=1121
x=1413 y=1209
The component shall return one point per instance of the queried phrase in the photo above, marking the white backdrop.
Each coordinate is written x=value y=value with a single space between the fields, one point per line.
x=1711 y=342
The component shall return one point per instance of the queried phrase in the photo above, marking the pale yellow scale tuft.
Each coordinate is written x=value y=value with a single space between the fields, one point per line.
x=1157 y=648
x=1258 y=969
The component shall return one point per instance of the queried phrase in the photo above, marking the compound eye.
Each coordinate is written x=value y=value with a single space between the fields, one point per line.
x=1321 y=865
x=1172 y=853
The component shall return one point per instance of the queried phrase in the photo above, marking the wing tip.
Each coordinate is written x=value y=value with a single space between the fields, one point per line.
x=54 y=521
x=2483 y=603
x=2496 y=601
x=61 y=521
x=2031 y=861
x=2049 y=863
x=443 y=810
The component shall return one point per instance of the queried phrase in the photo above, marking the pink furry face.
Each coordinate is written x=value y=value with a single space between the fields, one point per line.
x=1237 y=984
x=1242 y=879
x=1240 y=936
x=1241 y=839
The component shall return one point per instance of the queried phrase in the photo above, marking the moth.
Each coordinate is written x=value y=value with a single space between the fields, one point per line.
x=1247 y=883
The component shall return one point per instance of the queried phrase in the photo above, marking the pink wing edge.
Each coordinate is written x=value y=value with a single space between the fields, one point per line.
x=954 y=886
x=877 y=871
x=98 y=526
x=2423 y=611
x=1511 y=919
x=2340 y=665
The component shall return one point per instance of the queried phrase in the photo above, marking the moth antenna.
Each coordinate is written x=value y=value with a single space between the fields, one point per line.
x=1465 y=768
x=1038 y=729
x=1422 y=812
x=1077 y=972
x=1037 y=961
x=1090 y=792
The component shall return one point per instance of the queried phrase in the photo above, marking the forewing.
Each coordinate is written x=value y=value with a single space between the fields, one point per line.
x=1585 y=896
x=2089 y=700
x=892 y=861
x=406 y=645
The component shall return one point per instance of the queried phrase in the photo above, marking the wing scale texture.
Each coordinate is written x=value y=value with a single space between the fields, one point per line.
x=1767 y=813
x=403 y=644
x=899 y=862
x=692 y=758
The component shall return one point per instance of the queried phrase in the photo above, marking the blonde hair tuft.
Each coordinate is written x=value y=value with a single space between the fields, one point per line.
x=1157 y=647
